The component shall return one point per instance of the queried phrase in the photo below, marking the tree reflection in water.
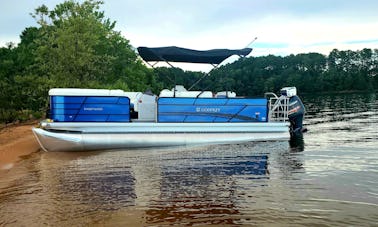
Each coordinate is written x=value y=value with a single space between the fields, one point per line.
x=206 y=190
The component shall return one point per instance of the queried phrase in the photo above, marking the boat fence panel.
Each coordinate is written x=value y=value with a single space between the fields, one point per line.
x=212 y=110
x=279 y=109
x=90 y=108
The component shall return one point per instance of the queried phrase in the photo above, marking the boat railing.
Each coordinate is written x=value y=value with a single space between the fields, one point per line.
x=278 y=107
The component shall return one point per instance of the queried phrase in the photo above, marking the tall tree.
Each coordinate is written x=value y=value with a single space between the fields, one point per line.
x=79 y=48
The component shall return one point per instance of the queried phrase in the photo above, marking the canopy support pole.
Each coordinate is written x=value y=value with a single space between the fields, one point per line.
x=153 y=66
x=206 y=74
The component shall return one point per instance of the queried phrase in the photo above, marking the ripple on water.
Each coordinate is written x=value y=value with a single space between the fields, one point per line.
x=327 y=177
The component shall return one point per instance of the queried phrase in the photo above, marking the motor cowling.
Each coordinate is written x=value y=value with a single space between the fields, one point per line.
x=296 y=110
x=296 y=114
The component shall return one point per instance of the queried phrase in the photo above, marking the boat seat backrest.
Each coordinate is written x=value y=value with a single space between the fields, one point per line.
x=186 y=94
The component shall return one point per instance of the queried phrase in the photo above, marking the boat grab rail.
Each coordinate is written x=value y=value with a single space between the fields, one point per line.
x=278 y=107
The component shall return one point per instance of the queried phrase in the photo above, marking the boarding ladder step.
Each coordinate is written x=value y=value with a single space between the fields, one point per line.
x=278 y=108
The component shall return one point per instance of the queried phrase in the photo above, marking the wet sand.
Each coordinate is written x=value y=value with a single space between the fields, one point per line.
x=16 y=141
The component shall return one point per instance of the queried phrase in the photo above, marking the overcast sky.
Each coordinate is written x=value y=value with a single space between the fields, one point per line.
x=282 y=27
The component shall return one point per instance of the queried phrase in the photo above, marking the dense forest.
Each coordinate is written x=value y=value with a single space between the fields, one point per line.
x=76 y=46
x=340 y=71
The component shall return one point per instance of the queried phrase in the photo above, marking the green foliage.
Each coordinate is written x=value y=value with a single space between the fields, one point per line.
x=311 y=73
x=75 y=46
x=79 y=46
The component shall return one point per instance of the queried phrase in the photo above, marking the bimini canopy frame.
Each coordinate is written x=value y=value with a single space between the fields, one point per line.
x=178 y=54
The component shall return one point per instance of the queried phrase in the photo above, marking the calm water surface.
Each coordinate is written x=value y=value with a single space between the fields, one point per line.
x=327 y=178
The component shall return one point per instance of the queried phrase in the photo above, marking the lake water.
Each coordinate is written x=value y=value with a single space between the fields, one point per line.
x=327 y=178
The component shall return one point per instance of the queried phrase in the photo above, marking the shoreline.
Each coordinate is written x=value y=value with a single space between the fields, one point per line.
x=340 y=92
x=16 y=141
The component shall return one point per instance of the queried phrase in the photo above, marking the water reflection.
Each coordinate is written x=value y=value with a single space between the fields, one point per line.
x=297 y=143
x=199 y=188
x=341 y=120
x=89 y=179
x=172 y=186
x=326 y=176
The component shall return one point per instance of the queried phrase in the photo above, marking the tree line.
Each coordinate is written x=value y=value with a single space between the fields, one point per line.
x=340 y=71
x=75 y=45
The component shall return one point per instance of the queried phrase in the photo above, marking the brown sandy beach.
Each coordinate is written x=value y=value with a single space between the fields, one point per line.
x=16 y=141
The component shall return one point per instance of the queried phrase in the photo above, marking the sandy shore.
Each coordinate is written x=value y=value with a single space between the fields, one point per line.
x=16 y=141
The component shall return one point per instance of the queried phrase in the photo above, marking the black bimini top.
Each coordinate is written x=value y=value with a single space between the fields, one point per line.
x=178 y=54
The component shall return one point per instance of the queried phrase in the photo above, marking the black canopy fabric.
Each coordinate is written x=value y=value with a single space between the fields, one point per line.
x=178 y=54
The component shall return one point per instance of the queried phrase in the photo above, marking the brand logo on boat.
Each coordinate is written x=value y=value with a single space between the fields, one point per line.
x=93 y=108
x=208 y=109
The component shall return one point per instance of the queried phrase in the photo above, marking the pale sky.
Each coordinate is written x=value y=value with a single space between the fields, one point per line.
x=282 y=27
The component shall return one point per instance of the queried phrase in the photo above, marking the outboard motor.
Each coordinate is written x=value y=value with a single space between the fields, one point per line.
x=296 y=110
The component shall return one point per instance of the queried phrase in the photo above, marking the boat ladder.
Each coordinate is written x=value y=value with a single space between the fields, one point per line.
x=278 y=108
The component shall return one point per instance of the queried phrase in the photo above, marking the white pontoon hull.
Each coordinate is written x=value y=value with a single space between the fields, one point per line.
x=106 y=136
